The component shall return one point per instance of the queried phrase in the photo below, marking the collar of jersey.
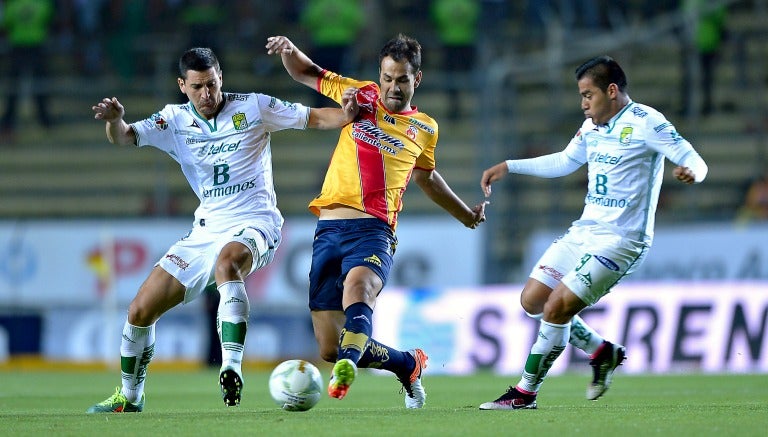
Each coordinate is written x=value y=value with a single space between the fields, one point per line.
x=612 y=122
x=213 y=127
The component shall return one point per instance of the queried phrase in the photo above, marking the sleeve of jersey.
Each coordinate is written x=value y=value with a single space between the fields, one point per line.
x=427 y=161
x=332 y=85
x=278 y=114
x=664 y=138
x=553 y=165
x=155 y=130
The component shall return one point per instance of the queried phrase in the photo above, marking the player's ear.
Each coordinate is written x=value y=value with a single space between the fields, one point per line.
x=180 y=81
x=417 y=79
x=613 y=91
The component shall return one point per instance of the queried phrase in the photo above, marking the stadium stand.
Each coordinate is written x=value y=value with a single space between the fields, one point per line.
x=71 y=171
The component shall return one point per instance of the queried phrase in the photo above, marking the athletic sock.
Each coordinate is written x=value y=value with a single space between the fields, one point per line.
x=136 y=350
x=232 y=323
x=538 y=316
x=584 y=337
x=549 y=344
x=357 y=331
x=381 y=356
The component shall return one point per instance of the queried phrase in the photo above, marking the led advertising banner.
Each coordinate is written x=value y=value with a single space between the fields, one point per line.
x=72 y=264
x=666 y=327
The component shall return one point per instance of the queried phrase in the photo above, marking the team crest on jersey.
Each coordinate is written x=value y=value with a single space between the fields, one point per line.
x=411 y=132
x=160 y=123
x=626 y=136
x=240 y=121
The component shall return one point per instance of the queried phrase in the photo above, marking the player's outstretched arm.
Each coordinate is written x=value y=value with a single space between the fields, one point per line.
x=491 y=175
x=332 y=118
x=435 y=187
x=112 y=112
x=298 y=65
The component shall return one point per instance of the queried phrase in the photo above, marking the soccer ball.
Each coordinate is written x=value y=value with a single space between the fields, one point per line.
x=296 y=385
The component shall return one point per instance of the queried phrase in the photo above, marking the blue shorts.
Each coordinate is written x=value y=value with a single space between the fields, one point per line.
x=341 y=245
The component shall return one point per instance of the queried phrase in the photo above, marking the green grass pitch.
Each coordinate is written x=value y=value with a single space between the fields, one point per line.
x=187 y=403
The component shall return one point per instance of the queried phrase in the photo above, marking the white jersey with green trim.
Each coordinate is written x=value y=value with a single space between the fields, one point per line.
x=227 y=160
x=625 y=166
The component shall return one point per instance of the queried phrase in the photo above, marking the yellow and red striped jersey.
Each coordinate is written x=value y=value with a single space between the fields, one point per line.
x=375 y=155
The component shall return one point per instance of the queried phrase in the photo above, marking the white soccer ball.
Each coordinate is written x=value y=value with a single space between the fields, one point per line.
x=296 y=385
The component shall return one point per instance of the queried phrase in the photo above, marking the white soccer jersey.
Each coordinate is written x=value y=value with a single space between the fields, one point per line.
x=227 y=160
x=625 y=163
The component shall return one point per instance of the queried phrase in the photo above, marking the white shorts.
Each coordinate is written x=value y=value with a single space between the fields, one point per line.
x=192 y=260
x=589 y=260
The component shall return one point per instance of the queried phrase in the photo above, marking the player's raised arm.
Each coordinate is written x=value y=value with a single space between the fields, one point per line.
x=298 y=65
x=118 y=131
x=332 y=118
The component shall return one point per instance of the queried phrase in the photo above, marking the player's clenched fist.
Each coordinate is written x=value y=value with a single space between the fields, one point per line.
x=279 y=45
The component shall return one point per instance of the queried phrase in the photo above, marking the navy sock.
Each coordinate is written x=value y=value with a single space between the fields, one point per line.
x=381 y=356
x=357 y=331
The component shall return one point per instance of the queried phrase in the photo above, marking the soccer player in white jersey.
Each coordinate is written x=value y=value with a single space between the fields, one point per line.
x=222 y=143
x=623 y=144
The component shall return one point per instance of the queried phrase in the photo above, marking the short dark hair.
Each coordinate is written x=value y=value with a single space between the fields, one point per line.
x=603 y=70
x=198 y=59
x=403 y=47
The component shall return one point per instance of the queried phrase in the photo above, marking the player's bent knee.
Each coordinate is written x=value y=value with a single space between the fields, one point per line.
x=559 y=310
x=228 y=270
x=329 y=354
x=140 y=316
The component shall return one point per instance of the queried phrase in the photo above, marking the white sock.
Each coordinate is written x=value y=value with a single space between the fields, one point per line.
x=232 y=323
x=584 y=337
x=538 y=316
x=550 y=343
x=136 y=350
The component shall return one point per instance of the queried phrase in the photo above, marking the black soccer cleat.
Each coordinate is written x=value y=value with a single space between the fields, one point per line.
x=512 y=400
x=609 y=357
x=231 y=386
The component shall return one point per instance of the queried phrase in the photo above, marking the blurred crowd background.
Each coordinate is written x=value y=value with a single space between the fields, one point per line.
x=498 y=77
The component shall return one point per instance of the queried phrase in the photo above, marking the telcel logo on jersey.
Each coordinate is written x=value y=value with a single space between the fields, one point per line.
x=606 y=158
x=216 y=149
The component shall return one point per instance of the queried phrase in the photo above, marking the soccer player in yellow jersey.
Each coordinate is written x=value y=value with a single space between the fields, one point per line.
x=389 y=143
